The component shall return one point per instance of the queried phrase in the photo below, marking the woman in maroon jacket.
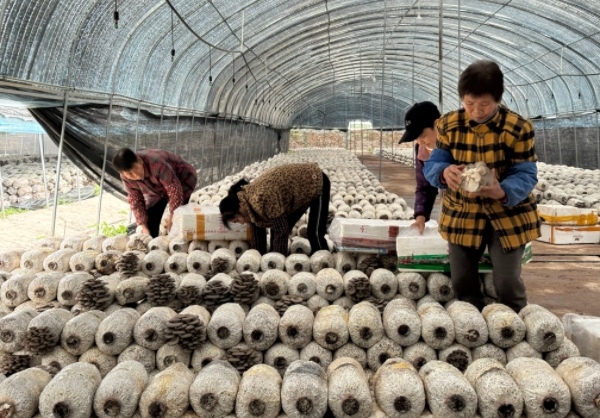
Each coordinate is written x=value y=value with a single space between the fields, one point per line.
x=153 y=179
x=420 y=122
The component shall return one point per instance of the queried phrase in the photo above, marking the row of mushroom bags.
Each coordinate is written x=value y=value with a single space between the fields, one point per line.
x=130 y=326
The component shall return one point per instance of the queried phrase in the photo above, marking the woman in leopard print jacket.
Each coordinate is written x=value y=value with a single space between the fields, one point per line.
x=277 y=199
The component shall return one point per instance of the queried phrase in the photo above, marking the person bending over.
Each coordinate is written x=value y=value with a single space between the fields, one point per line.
x=502 y=216
x=153 y=178
x=277 y=199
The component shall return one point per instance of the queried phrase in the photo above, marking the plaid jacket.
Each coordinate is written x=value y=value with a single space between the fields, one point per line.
x=505 y=143
x=166 y=176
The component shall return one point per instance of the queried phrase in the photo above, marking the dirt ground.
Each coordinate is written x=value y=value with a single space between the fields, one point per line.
x=562 y=278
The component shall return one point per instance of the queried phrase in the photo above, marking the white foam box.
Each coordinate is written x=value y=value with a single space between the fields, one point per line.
x=195 y=222
x=366 y=233
x=411 y=243
x=429 y=252
x=567 y=215
x=584 y=331
x=564 y=234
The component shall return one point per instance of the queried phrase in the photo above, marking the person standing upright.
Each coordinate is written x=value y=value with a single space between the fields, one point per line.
x=419 y=123
x=502 y=216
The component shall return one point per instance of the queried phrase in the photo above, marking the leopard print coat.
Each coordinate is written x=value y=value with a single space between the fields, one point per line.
x=281 y=191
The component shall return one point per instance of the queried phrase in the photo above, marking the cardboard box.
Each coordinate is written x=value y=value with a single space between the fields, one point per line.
x=429 y=252
x=376 y=235
x=195 y=222
x=567 y=215
x=559 y=234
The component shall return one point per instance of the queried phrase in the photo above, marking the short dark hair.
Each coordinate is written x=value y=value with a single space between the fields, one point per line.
x=230 y=204
x=124 y=160
x=481 y=78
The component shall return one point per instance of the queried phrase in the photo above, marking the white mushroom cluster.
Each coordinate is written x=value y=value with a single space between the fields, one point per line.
x=476 y=175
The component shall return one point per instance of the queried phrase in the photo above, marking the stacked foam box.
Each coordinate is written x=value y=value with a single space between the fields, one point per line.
x=376 y=236
x=195 y=222
x=569 y=225
x=429 y=251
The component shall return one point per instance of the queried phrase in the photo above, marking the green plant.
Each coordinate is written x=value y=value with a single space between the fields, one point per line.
x=123 y=212
x=109 y=230
x=97 y=190
x=11 y=211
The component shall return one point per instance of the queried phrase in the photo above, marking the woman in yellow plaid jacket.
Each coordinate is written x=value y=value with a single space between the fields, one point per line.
x=502 y=216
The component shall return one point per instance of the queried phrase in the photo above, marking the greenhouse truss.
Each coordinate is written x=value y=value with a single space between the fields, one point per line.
x=223 y=82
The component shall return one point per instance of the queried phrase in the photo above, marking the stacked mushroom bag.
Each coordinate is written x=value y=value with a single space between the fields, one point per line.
x=231 y=332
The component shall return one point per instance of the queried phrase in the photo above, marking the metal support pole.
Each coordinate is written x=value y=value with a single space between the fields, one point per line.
x=560 y=160
x=360 y=100
x=382 y=87
x=372 y=118
x=42 y=159
x=546 y=160
x=78 y=185
x=176 y=130
x=441 y=56
x=459 y=42
x=220 y=176
x=228 y=159
x=135 y=148
x=59 y=162
x=162 y=112
x=214 y=139
x=104 y=165
x=598 y=137
x=413 y=73
x=191 y=138
x=2 y=194
x=576 y=149
x=238 y=155
x=137 y=125
x=394 y=118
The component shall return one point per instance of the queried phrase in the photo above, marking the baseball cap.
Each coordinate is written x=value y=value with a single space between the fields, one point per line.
x=420 y=116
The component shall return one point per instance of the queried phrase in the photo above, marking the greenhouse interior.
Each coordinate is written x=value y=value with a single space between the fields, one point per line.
x=299 y=208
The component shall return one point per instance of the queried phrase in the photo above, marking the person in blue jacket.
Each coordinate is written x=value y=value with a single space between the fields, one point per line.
x=419 y=123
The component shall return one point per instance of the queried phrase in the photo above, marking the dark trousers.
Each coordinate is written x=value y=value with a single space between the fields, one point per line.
x=317 y=218
x=506 y=270
x=155 y=214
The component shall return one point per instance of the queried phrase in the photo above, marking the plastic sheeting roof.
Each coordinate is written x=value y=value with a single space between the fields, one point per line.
x=300 y=62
